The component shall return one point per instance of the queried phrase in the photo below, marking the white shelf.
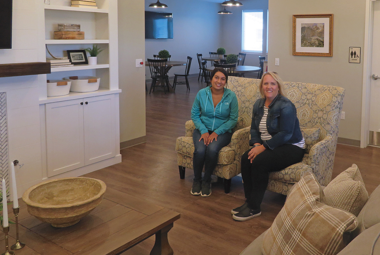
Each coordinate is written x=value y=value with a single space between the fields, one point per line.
x=76 y=42
x=77 y=95
x=78 y=67
x=75 y=9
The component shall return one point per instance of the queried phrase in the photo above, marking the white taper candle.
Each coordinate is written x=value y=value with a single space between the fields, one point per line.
x=5 y=207
x=14 y=186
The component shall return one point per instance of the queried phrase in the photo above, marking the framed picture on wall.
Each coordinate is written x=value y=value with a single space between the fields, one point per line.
x=77 y=56
x=313 y=35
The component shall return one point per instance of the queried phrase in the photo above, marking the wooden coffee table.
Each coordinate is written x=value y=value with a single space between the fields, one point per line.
x=117 y=224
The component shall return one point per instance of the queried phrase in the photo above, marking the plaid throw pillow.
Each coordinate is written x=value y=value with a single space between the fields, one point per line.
x=307 y=226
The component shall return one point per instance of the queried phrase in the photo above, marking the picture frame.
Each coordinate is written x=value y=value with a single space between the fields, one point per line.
x=313 y=35
x=77 y=57
x=354 y=55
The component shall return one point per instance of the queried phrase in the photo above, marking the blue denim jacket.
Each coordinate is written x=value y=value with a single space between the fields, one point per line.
x=282 y=123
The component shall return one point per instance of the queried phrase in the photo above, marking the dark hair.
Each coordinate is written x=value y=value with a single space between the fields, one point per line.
x=218 y=69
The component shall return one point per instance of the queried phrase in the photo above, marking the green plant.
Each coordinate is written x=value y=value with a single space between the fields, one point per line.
x=163 y=54
x=221 y=51
x=94 y=51
x=231 y=59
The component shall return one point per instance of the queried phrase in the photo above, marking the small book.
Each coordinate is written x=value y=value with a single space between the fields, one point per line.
x=83 y=3
x=62 y=66
x=84 y=6
x=58 y=60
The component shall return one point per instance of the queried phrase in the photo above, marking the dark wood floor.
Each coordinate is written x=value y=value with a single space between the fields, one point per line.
x=149 y=171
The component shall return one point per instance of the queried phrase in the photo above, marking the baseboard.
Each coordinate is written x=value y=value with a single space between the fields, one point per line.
x=133 y=142
x=347 y=141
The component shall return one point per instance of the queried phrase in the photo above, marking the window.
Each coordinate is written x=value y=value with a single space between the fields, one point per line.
x=253 y=31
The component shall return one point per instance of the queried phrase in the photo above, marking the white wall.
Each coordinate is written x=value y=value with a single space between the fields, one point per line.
x=131 y=78
x=196 y=29
x=232 y=29
x=349 y=21
x=23 y=94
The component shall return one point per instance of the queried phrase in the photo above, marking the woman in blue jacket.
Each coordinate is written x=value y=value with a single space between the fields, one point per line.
x=277 y=143
x=214 y=113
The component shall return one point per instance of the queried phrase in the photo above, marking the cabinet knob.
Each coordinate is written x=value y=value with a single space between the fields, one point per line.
x=81 y=103
x=86 y=102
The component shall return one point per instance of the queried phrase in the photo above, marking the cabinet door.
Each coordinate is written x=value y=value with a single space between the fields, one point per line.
x=99 y=128
x=64 y=136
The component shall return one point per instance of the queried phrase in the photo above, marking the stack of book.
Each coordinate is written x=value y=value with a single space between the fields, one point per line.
x=84 y=3
x=59 y=62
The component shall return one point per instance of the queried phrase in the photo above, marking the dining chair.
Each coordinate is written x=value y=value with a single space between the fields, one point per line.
x=157 y=69
x=187 y=69
x=230 y=68
x=260 y=73
x=213 y=54
x=199 y=58
x=206 y=73
x=241 y=58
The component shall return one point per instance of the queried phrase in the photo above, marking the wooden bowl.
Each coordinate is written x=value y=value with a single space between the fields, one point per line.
x=64 y=202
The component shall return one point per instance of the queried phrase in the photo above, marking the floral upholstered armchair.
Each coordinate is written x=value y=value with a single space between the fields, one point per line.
x=318 y=110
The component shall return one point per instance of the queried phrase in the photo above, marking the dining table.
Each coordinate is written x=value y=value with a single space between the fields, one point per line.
x=240 y=69
x=169 y=64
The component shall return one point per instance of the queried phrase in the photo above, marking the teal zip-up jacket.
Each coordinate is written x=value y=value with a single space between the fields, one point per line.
x=221 y=119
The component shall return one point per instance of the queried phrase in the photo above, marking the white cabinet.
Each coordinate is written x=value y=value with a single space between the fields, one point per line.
x=80 y=132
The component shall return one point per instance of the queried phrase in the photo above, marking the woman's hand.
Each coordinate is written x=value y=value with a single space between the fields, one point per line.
x=205 y=137
x=255 y=151
x=212 y=137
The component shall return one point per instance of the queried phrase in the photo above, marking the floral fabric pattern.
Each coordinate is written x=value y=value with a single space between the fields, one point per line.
x=318 y=110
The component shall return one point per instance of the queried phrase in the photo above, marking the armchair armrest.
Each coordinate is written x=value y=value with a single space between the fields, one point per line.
x=189 y=126
x=320 y=155
x=240 y=142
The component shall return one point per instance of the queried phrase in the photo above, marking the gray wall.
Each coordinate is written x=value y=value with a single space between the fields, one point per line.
x=196 y=29
x=232 y=29
x=349 y=22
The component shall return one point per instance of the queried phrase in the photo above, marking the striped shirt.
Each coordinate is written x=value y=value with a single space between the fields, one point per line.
x=264 y=131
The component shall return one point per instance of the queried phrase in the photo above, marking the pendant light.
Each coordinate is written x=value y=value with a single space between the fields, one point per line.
x=232 y=3
x=158 y=5
x=224 y=11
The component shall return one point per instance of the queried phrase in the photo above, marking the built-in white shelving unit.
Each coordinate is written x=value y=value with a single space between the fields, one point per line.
x=80 y=131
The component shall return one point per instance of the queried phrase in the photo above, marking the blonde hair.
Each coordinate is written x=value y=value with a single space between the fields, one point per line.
x=277 y=78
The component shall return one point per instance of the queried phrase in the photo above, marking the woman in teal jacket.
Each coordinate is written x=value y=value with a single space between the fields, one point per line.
x=215 y=113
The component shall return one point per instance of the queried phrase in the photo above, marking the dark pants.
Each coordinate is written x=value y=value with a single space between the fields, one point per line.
x=207 y=155
x=256 y=174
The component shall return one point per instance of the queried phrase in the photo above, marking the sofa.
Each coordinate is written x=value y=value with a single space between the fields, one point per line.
x=357 y=237
x=318 y=110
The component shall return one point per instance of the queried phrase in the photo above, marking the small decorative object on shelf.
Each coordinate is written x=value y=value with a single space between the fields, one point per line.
x=77 y=56
x=84 y=83
x=94 y=52
x=5 y=219
x=69 y=35
x=164 y=54
x=84 y=4
x=69 y=27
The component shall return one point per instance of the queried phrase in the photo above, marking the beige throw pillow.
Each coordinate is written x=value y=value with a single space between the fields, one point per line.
x=347 y=191
x=311 y=136
x=307 y=226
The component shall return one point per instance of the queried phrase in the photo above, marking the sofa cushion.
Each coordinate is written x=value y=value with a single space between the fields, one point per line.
x=254 y=248
x=369 y=215
x=311 y=136
x=185 y=146
x=362 y=245
x=347 y=191
x=307 y=226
